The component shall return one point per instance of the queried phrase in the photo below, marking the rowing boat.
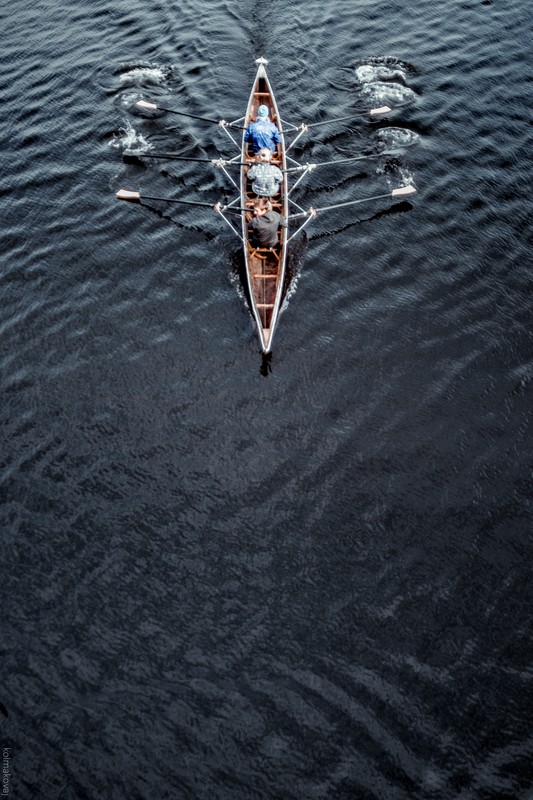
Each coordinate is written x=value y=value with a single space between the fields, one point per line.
x=265 y=267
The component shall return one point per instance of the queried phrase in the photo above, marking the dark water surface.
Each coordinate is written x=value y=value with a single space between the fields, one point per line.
x=315 y=583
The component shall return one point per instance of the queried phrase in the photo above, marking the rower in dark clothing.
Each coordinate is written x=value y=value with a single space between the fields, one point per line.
x=263 y=227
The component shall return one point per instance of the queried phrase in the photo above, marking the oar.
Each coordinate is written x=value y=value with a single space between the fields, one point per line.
x=374 y=112
x=377 y=112
x=304 y=127
x=128 y=154
x=339 y=161
x=153 y=107
x=403 y=191
x=136 y=197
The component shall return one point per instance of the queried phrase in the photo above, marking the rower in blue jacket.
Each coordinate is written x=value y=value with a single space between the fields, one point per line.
x=262 y=132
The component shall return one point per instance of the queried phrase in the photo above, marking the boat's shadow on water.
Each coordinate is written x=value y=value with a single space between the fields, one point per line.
x=183 y=226
x=266 y=364
x=398 y=208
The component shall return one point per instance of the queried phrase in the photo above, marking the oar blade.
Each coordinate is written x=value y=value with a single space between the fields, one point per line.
x=126 y=194
x=404 y=191
x=146 y=104
x=377 y=112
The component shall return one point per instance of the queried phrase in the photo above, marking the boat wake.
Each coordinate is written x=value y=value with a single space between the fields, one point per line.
x=295 y=258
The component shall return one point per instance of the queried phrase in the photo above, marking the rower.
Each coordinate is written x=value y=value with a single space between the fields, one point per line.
x=263 y=227
x=266 y=176
x=262 y=132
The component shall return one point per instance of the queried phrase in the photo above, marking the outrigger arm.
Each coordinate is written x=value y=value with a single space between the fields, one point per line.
x=220 y=209
x=303 y=129
x=311 y=214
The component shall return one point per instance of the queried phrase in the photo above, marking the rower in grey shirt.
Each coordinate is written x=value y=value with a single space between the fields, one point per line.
x=266 y=177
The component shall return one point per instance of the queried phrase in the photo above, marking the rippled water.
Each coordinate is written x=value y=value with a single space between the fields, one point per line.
x=302 y=579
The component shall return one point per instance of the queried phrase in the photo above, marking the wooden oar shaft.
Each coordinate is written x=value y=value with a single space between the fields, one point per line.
x=310 y=167
x=328 y=121
x=403 y=191
x=175 y=157
x=136 y=197
x=183 y=202
x=155 y=107
x=128 y=154
x=350 y=160
x=374 y=112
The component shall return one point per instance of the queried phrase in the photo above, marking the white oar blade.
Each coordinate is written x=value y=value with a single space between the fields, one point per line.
x=404 y=191
x=376 y=112
x=145 y=104
x=125 y=194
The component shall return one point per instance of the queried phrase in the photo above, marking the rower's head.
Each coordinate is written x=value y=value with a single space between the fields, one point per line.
x=262 y=112
x=261 y=206
x=264 y=155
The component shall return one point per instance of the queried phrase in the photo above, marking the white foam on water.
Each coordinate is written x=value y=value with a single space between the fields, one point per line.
x=128 y=100
x=369 y=73
x=397 y=137
x=129 y=139
x=383 y=93
x=144 y=75
x=401 y=175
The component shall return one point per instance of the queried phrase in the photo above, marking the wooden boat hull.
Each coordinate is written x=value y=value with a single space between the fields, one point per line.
x=265 y=267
